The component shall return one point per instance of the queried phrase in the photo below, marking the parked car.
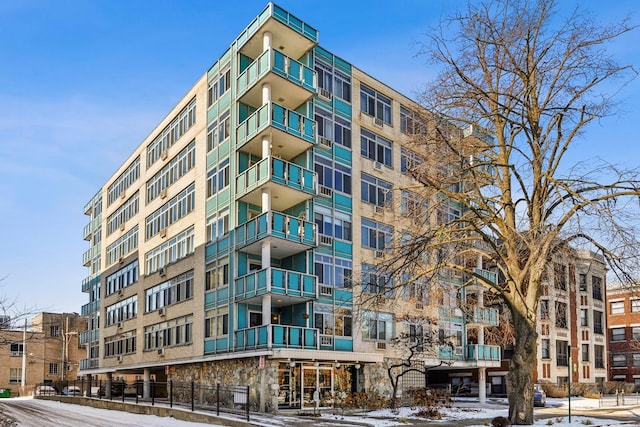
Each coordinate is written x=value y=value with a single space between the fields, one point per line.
x=72 y=391
x=45 y=390
x=539 y=397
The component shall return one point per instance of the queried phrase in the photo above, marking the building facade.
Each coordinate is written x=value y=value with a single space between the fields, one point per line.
x=623 y=324
x=224 y=249
x=46 y=351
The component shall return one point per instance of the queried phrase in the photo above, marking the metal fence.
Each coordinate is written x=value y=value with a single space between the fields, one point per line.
x=191 y=395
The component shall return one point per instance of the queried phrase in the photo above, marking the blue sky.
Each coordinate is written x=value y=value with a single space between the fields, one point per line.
x=83 y=82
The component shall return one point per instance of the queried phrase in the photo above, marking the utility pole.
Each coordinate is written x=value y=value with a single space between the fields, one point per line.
x=24 y=355
x=569 y=381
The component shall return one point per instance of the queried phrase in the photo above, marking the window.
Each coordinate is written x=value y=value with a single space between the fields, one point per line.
x=216 y=323
x=376 y=282
x=53 y=368
x=218 y=178
x=596 y=288
x=598 y=352
x=616 y=307
x=635 y=305
x=619 y=361
x=561 y=314
x=375 y=104
x=597 y=322
x=375 y=235
x=170 y=134
x=218 y=225
x=410 y=122
x=410 y=161
x=376 y=148
x=169 y=333
x=416 y=337
x=325 y=75
x=582 y=282
x=331 y=271
x=635 y=333
x=15 y=375
x=126 y=244
x=124 y=181
x=560 y=276
x=636 y=360
x=333 y=81
x=375 y=191
x=122 y=310
x=377 y=326
x=544 y=309
x=584 y=317
x=585 y=352
x=172 y=211
x=218 y=86
x=545 y=351
x=217 y=274
x=342 y=87
x=413 y=206
x=618 y=334
x=172 y=172
x=333 y=223
x=173 y=291
x=123 y=343
x=126 y=211
x=54 y=331
x=15 y=349
x=330 y=321
x=342 y=132
x=171 y=251
x=562 y=354
x=122 y=278
x=212 y=135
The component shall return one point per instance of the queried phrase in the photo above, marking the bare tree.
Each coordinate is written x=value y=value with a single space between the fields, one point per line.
x=515 y=91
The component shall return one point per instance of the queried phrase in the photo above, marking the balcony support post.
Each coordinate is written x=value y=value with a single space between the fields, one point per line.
x=482 y=385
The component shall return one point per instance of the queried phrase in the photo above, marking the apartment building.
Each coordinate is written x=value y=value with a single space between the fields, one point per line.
x=224 y=249
x=46 y=350
x=623 y=324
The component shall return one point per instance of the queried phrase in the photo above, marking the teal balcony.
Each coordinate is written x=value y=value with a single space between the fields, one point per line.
x=483 y=316
x=296 y=36
x=289 y=79
x=290 y=184
x=448 y=313
x=90 y=254
x=89 y=228
x=296 y=287
x=87 y=364
x=90 y=282
x=490 y=276
x=479 y=352
x=89 y=308
x=446 y=352
x=291 y=132
x=281 y=336
x=288 y=234
x=87 y=337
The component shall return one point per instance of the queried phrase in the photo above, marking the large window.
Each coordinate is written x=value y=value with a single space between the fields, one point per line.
x=635 y=333
x=333 y=223
x=333 y=81
x=561 y=314
x=377 y=326
x=410 y=160
x=618 y=334
x=218 y=85
x=376 y=282
x=217 y=274
x=172 y=211
x=216 y=322
x=375 y=235
x=125 y=212
x=636 y=360
x=333 y=321
x=171 y=172
x=619 y=361
x=410 y=122
x=170 y=333
x=616 y=307
x=635 y=305
x=545 y=351
x=334 y=272
x=598 y=356
x=123 y=246
x=218 y=178
x=333 y=128
x=123 y=343
x=597 y=322
x=560 y=276
x=173 y=291
x=375 y=191
x=562 y=353
x=375 y=104
x=596 y=285
x=170 y=134
x=171 y=251
x=122 y=310
x=218 y=225
x=585 y=352
x=122 y=278
x=413 y=206
x=376 y=148
x=584 y=317
x=124 y=181
x=15 y=375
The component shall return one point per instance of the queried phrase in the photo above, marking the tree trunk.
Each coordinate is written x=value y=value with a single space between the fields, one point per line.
x=521 y=372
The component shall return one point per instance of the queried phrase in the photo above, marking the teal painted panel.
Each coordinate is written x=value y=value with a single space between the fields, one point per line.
x=342 y=154
x=342 y=344
x=209 y=346
x=323 y=54
x=345 y=296
x=342 y=200
x=342 y=65
x=343 y=247
x=343 y=107
x=212 y=113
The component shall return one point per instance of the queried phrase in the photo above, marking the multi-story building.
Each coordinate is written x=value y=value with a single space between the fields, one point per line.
x=623 y=323
x=223 y=249
x=48 y=350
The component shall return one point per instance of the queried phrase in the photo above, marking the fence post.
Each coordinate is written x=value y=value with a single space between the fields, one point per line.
x=170 y=393
x=247 y=403
x=100 y=388
x=153 y=393
x=192 y=396
x=124 y=385
x=217 y=399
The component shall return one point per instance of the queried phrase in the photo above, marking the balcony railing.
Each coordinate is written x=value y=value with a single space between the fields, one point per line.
x=281 y=336
x=483 y=352
x=86 y=364
x=272 y=114
x=276 y=170
x=89 y=282
x=87 y=337
x=276 y=281
x=89 y=308
x=276 y=224
x=490 y=276
x=273 y=61
x=483 y=316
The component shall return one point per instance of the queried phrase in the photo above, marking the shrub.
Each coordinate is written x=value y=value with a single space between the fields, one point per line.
x=500 y=422
x=431 y=401
x=365 y=400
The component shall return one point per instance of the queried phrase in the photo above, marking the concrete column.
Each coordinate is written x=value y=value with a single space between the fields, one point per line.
x=146 y=384
x=266 y=146
x=266 y=93
x=482 y=385
x=266 y=40
x=107 y=388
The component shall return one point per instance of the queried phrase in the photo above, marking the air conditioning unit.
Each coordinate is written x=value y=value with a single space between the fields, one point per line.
x=122 y=227
x=162 y=271
x=377 y=166
x=381 y=345
x=163 y=194
x=325 y=142
x=161 y=311
x=378 y=122
x=378 y=254
x=164 y=155
x=379 y=209
x=121 y=291
x=161 y=352
x=326 y=240
x=119 y=358
x=119 y=325
x=123 y=195
x=324 y=94
x=163 y=232
x=419 y=306
x=326 y=290
x=326 y=191
x=121 y=260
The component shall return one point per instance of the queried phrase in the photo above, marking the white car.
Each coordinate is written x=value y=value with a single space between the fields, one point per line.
x=45 y=390
x=72 y=391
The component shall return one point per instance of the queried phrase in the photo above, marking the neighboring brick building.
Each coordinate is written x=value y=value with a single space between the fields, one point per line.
x=50 y=349
x=623 y=321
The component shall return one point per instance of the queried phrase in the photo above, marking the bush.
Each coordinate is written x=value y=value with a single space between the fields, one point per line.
x=365 y=400
x=500 y=422
x=431 y=401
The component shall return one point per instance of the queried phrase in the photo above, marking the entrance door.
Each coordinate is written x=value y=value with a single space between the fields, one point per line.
x=317 y=383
